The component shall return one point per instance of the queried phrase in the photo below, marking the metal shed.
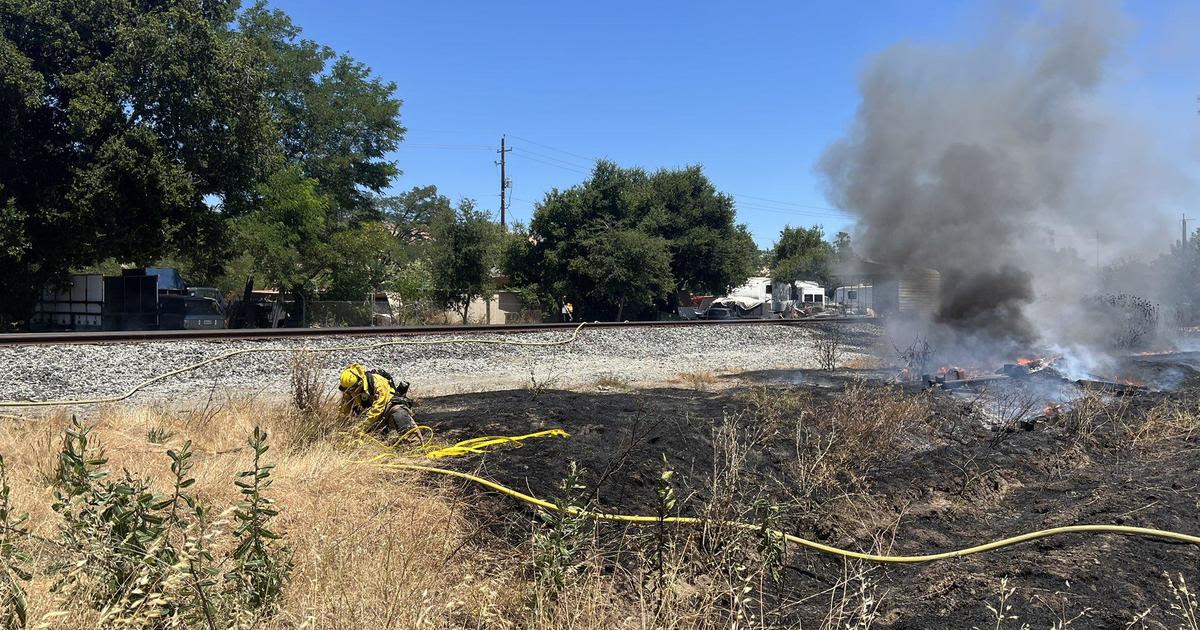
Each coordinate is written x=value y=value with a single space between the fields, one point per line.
x=897 y=290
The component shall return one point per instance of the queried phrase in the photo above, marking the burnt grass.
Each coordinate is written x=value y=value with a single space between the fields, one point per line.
x=954 y=484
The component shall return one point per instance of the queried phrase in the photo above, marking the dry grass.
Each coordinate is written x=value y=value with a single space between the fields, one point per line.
x=539 y=382
x=383 y=549
x=612 y=381
x=700 y=380
x=1099 y=419
x=838 y=442
x=371 y=548
x=376 y=548
x=864 y=362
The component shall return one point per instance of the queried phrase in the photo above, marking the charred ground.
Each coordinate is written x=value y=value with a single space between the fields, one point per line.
x=868 y=467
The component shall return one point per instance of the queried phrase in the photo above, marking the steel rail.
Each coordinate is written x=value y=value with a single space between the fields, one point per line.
x=126 y=336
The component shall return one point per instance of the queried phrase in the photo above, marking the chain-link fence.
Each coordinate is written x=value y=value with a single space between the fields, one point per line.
x=338 y=314
x=500 y=308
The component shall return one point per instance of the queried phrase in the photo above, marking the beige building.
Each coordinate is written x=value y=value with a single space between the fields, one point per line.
x=502 y=307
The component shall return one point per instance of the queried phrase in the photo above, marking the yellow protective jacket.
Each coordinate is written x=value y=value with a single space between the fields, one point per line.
x=370 y=400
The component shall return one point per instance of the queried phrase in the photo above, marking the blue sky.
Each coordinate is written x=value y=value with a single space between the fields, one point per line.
x=751 y=91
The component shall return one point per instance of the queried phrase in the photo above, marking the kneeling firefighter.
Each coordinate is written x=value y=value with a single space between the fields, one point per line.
x=376 y=397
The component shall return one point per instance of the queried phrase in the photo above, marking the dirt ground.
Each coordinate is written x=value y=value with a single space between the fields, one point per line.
x=951 y=482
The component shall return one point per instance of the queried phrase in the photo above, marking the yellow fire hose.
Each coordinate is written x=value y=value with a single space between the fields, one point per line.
x=811 y=544
x=388 y=454
x=228 y=355
x=477 y=445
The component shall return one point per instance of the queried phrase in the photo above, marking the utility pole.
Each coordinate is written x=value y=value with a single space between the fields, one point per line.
x=504 y=184
x=1183 y=241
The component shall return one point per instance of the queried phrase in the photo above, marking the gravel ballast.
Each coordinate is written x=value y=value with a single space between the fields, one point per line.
x=636 y=355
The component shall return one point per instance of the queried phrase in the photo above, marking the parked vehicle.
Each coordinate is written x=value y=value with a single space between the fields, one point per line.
x=209 y=292
x=718 y=312
x=185 y=312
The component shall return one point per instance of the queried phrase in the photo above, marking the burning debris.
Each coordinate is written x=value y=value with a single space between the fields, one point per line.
x=1037 y=388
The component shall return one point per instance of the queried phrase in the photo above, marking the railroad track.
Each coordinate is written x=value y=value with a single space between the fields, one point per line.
x=121 y=336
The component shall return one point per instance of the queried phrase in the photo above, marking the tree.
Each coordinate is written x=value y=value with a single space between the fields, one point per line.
x=285 y=236
x=843 y=251
x=336 y=124
x=626 y=267
x=410 y=213
x=801 y=254
x=119 y=121
x=463 y=252
x=365 y=259
x=336 y=120
x=706 y=251
x=709 y=252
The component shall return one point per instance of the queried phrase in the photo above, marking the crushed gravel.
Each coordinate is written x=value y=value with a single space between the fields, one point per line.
x=635 y=355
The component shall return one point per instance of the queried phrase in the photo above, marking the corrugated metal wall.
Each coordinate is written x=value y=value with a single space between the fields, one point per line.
x=919 y=290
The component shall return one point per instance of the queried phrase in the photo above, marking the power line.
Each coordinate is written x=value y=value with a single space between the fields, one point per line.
x=789 y=203
x=564 y=151
x=790 y=213
x=756 y=206
x=556 y=159
x=549 y=163
x=469 y=147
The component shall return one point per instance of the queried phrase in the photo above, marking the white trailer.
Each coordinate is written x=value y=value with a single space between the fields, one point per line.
x=756 y=287
x=76 y=305
x=801 y=294
x=809 y=294
x=855 y=298
x=782 y=296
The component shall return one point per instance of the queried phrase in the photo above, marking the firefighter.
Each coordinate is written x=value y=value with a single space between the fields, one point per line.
x=377 y=398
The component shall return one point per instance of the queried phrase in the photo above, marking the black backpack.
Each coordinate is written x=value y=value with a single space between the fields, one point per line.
x=400 y=388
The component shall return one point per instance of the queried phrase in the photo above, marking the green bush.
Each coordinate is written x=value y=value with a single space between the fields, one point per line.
x=146 y=560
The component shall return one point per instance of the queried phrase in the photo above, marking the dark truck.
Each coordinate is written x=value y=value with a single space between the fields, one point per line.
x=188 y=312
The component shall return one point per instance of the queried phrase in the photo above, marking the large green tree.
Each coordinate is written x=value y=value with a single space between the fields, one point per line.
x=127 y=131
x=705 y=250
x=801 y=254
x=462 y=255
x=709 y=251
x=625 y=267
x=336 y=125
x=336 y=120
x=285 y=236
